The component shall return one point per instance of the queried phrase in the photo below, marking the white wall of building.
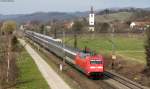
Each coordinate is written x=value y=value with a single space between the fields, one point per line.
x=91 y=19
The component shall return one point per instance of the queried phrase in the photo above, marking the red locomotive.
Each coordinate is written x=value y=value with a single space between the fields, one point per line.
x=89 y=62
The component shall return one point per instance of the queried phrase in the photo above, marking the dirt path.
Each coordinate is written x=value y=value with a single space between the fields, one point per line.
x=53 y=80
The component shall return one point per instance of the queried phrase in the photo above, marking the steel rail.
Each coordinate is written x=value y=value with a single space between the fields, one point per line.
x=130 y=84
x=112 y=75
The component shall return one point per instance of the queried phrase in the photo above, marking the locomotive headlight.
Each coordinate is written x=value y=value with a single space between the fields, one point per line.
x=92 y=67
x=100 y=67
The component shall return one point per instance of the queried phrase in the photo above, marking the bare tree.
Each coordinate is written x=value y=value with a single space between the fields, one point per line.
x=8 y=27
x=77 y=27
x=42 y=30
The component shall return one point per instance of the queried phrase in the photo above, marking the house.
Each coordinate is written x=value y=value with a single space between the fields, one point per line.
x=68 y=25
x=140 y=25
x=48 y=27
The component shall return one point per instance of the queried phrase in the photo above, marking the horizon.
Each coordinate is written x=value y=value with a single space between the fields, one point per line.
x=32 y=6
x=72 y=12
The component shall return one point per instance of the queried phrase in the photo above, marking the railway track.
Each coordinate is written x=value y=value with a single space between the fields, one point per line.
x=117 y=81
x=114 y=81
x=78 y=77
x=124 y=82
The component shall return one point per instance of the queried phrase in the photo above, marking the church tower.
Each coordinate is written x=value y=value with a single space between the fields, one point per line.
x=91 y=20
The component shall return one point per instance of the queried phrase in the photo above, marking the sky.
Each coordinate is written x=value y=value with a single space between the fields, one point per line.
x=31 y=6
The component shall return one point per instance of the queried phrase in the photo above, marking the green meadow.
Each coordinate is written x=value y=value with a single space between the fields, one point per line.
x=130 y=46
x=29 y=76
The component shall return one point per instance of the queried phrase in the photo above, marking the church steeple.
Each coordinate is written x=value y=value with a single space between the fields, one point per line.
x=91 y=19
x=92 y=10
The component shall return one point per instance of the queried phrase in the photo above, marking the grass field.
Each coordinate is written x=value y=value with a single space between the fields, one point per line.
x=129 y=46
x=30 y=77
x=120 y=16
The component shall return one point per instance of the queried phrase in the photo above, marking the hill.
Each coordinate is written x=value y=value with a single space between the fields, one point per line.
x=106 y=15
x=120 y=16
x=41 y=16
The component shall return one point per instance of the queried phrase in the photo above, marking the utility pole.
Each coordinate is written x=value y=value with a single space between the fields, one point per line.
x=55 y=33
x=113 y=55
x=112 y=35
x=64 y=56
x=55 y=28
x=8 y=56
x=75 y=39
x=76 y=28
x=64 y=45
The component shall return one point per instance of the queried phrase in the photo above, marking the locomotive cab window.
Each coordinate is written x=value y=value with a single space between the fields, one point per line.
x=95 y=62
x=83 y=55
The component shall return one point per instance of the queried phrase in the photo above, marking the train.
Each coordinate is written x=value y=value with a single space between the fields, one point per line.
x=86 y=61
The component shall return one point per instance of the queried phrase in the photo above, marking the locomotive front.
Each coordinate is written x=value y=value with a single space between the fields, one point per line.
x=90 y=63
x=95 y=65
